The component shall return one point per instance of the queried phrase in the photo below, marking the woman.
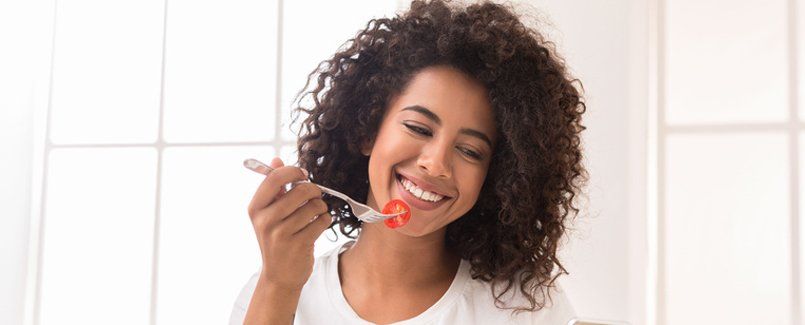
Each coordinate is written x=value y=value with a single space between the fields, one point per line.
x=471 y=119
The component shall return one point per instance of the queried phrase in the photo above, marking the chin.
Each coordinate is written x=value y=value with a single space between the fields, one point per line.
x=417 y=229
x=411 y=231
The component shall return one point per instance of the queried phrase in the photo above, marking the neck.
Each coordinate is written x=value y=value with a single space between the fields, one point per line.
x=384 y=259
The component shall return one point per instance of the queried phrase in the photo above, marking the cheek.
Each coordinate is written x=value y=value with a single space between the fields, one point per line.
x=390 y=148
x=394 y=146
x=470 y=185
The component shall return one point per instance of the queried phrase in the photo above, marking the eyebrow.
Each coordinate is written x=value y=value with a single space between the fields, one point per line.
x=435 y=118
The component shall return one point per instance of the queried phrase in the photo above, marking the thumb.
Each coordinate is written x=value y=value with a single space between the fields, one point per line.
x=276 y=163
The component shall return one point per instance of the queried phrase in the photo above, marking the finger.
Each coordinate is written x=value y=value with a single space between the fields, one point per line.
x=266 y=169
x=313 y=229
x=302 y=216
x=283 y=207
x=275 y=163
x=271 y=187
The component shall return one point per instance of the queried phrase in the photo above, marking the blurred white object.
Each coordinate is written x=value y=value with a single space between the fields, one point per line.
x=588 y=321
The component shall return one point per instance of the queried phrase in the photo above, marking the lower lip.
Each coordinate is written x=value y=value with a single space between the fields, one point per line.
x=415 y=201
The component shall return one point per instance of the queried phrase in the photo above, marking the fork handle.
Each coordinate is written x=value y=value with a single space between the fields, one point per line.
x=261 y=168
x=257 y=166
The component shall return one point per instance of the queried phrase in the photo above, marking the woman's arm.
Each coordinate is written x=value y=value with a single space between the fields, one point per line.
x=286 y=226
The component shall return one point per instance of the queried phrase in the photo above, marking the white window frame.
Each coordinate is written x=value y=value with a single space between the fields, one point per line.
x=660 y=130
x=41 y=163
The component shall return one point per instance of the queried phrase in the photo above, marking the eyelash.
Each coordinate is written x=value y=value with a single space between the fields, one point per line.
x=425 y=132
x=419 y=130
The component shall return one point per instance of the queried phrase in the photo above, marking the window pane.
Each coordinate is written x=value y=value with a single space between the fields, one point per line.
x=207 y=243
x=727 y=230
x=220 y=73
x=726 y=62
x=106 y=74
x=98 y=236
x=305 y=47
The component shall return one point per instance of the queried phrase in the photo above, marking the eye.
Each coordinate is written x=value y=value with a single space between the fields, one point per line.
x=418 y=130
x=471 y=153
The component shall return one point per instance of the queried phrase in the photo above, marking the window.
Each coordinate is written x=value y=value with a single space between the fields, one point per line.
x=154 y=106
x=729 y=149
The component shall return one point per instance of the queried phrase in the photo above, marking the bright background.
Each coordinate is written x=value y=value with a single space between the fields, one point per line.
x=123 y=125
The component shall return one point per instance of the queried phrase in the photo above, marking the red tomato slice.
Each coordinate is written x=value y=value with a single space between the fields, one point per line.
x=395 y=206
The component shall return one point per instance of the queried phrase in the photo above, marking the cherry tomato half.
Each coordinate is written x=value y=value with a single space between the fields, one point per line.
x=395 y=206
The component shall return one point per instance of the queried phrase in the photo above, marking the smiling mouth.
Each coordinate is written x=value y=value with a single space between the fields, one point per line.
x=415 y=191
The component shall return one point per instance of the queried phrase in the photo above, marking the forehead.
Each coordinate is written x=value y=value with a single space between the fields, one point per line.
x=451 y=94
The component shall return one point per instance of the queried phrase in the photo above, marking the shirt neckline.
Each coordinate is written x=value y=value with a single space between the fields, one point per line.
x=333 y=285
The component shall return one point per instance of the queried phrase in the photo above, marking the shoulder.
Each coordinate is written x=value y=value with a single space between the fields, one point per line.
x=557 y=310
x=241 y=304
x=314 y=284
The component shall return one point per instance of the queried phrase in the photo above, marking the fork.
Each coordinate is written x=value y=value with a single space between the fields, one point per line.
x=360 y=210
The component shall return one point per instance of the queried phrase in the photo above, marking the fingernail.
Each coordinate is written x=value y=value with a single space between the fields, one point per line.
x=304 y=171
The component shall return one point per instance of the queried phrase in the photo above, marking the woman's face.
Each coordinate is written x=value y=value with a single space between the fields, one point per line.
x=433 y=149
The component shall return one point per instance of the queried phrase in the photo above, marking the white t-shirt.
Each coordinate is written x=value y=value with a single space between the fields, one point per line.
x=467 y=301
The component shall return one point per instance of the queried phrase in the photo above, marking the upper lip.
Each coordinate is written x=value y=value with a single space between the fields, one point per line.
x=423 y=184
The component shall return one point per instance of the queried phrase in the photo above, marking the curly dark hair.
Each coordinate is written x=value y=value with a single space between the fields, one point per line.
x=511 y=235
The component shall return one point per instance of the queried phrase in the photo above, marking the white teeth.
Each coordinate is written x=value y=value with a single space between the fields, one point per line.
x=420 y=193
x=426 y=196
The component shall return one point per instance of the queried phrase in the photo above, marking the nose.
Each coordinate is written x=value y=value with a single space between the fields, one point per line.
x=435 y=160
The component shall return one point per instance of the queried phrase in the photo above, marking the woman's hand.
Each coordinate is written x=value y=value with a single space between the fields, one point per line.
x=287 y=225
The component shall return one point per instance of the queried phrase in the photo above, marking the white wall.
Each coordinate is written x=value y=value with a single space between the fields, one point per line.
x=15 y=171
x=24 y=58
